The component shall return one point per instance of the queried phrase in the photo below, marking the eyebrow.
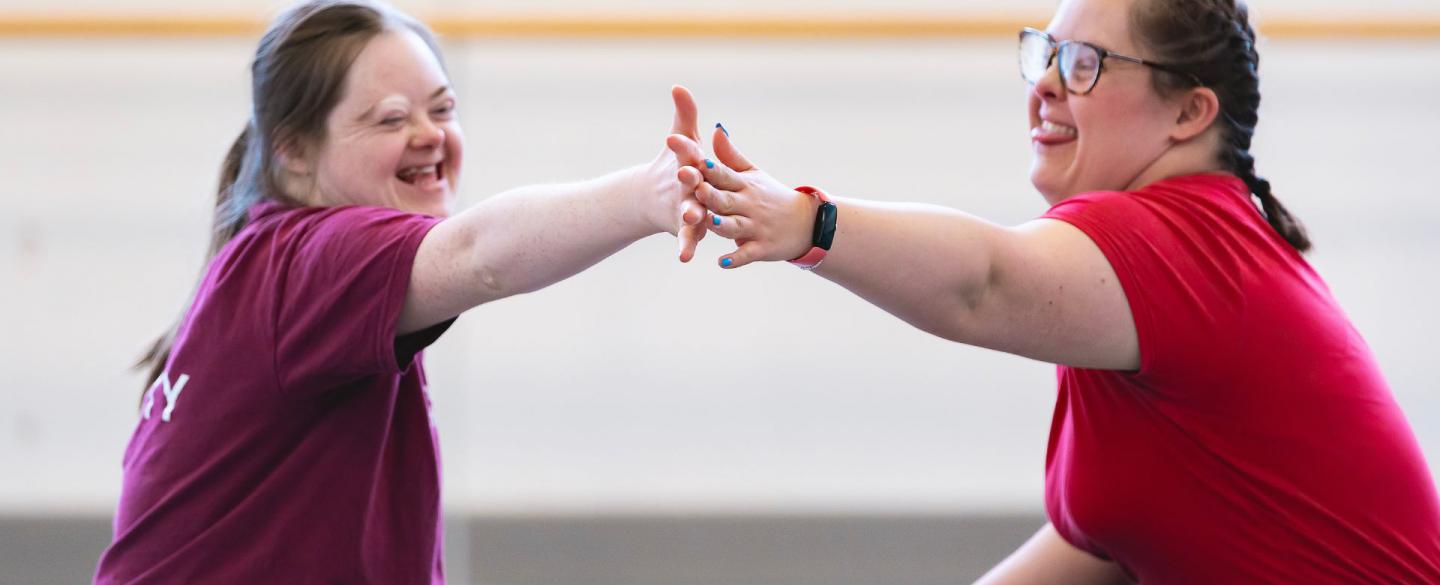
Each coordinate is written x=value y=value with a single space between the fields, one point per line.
x=366 y=114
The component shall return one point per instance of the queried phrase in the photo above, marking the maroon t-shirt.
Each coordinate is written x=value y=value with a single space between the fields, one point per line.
x=289 y=439
x=1258 y=442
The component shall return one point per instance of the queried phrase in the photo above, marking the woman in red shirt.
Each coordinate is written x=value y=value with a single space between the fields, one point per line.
x=1219 y=420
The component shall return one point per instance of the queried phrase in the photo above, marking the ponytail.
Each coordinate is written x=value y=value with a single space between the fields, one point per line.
x=239 y=188
x=236 y=193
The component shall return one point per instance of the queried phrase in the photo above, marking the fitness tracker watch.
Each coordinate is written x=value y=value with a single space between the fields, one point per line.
x=824 y=233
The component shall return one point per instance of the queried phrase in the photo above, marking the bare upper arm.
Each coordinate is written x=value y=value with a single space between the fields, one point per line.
x=1053 y=296
x=1046 y=559
x=443 y=280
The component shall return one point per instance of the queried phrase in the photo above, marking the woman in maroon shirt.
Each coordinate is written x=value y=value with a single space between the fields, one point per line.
x=287 y=437
x=1219 y=419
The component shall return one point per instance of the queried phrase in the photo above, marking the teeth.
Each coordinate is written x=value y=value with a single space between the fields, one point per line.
x=1053 y=128
x=412 y=171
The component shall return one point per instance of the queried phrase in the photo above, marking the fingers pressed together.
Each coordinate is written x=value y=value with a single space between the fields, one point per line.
x=718 y=202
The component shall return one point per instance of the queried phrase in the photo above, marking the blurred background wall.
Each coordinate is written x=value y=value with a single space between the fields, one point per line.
x=648 y=421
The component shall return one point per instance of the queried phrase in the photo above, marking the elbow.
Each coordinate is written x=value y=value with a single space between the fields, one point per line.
x=977 y=288
x=493 y=279
x=488 y=283
x=479 y=272
x=970 y=300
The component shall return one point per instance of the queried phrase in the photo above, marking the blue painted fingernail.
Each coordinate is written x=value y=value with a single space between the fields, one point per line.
x=709 y=164
x=716 y=219
x=726 y=262
x=722 y=128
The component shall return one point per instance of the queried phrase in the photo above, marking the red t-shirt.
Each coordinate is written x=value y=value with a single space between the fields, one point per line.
x=289 y=439
x=1258 y=442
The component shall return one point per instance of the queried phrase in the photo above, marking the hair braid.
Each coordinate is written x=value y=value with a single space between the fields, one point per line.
x=1213 y=40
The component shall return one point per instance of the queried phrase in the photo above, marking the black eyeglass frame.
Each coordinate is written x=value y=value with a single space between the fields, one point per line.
x=1056 y=46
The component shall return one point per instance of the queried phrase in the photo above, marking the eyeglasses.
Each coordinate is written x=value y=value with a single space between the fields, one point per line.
x=1080 y=63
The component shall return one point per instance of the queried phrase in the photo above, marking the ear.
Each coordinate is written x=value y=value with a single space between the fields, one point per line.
x=1198 y=109
x=293 y=159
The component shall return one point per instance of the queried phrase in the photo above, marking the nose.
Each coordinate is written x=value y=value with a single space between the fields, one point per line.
x=1049 y=87
x=427 y=135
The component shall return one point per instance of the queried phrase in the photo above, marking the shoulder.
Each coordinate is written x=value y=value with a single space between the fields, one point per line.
x=299 y=227
x=1195 y=215
x=341 y=218
x=1176 y=195
x=323 y=241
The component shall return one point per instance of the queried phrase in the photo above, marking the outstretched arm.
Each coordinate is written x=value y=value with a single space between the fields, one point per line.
x=1042 y=290
x=529 y=238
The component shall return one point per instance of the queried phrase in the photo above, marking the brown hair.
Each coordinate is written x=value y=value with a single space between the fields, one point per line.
x=297 y=78
x=1213 y=40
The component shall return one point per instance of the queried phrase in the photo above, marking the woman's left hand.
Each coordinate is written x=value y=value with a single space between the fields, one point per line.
x=767 y=220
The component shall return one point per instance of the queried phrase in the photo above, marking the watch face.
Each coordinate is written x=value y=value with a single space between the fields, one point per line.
x=824 y=226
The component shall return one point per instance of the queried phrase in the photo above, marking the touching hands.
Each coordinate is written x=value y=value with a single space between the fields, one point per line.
x=767 y=220
x=727 y=195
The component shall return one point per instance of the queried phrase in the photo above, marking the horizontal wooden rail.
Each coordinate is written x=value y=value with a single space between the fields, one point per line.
x=685 y=26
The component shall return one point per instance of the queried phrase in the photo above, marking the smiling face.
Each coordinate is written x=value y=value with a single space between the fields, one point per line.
x=1111 y=138
x=393 y=139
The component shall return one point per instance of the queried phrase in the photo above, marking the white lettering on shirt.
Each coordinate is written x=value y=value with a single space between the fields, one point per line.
x=172 y=394
x=150 y=398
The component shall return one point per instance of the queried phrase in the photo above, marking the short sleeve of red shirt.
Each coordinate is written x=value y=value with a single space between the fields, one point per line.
x=1162 y=243
x=340 y=293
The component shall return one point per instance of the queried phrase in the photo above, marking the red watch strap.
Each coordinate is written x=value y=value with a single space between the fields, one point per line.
x=815 y=192
x=816 y=255
x=811 y=259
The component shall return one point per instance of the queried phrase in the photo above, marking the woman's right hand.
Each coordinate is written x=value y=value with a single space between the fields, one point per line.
x=670 y=206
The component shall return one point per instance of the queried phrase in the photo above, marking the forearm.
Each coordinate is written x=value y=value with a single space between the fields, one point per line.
x=528 y=238
x=928 y=265
x=1043 y=290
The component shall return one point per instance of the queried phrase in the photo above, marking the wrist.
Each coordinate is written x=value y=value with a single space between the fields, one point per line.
x=637 y=193
x=802 y=225
x=821 y=232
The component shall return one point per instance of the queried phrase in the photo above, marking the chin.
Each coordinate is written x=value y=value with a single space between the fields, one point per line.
x=435 y=208
x=1048 y=187
x=438 y=203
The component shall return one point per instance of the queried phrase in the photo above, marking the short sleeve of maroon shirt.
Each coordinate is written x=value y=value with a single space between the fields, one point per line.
x=1258 y=442
x=289 y=439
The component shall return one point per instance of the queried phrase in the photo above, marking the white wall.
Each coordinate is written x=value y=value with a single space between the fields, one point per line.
x=645 y=384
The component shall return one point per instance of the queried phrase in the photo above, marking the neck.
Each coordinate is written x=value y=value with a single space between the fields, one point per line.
x=1187 y=158
x=302 y=189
